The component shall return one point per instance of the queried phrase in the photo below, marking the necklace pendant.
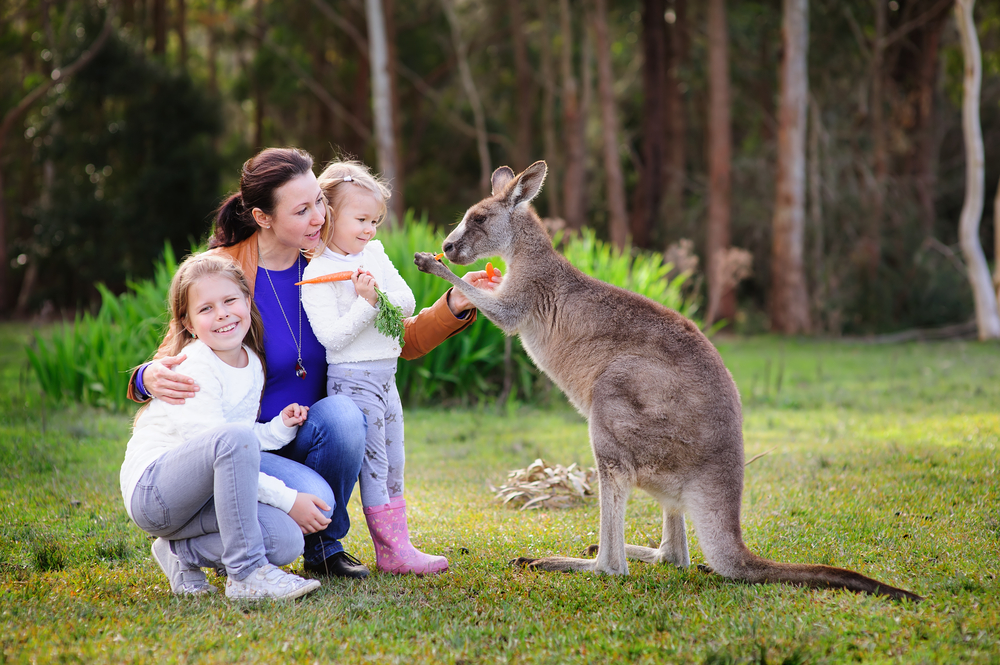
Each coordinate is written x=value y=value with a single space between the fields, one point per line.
x=300 y=371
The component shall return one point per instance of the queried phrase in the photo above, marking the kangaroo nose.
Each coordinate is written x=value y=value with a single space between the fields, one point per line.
x=449 y=246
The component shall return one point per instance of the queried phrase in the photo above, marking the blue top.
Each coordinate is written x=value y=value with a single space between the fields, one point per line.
x=281 y=385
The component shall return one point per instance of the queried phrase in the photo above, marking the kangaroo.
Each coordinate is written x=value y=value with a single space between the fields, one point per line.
x=663 y=411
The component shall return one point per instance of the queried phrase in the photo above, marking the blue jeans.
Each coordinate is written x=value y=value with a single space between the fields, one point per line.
x=202 y=497
x=325 y=456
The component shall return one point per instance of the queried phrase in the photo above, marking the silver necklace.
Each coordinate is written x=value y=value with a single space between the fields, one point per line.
x=300 y=370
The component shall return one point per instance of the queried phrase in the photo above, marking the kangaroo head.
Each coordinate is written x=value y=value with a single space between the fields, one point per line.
x=488 y=228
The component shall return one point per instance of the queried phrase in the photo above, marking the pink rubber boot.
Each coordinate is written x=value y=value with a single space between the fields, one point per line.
x=393 y=551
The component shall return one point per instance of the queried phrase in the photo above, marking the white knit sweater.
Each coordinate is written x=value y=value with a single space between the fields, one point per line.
x=342 y=320
x=227 y=395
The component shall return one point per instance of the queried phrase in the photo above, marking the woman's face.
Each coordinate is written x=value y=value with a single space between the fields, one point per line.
x=298 y=215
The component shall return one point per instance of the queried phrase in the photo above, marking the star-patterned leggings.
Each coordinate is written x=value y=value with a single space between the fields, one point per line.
x=372 y=386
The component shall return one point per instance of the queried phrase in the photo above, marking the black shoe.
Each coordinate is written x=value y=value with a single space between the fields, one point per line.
x=340 y=564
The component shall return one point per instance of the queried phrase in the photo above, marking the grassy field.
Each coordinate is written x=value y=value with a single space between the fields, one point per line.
x=882 y=459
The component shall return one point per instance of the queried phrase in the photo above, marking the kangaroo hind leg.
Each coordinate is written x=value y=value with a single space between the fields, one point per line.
x=614 y=491
x=673 y=546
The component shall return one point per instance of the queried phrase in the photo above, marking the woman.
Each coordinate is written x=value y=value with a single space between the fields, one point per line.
x=278 y=215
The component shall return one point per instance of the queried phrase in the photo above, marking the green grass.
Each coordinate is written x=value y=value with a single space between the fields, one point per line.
x=884 y=461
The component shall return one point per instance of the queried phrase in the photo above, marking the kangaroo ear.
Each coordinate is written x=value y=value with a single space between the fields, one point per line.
x=501 y=177
x=529 y=183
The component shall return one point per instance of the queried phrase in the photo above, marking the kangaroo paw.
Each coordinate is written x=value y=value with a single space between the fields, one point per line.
x=592 y=550
x=426 y=263
x=705 y=569
x=522 y=561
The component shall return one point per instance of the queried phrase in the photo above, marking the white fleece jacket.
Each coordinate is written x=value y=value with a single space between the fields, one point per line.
x=342 y=320
x=228 y=395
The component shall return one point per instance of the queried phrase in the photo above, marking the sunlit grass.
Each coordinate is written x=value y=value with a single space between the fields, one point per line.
x=882 y=459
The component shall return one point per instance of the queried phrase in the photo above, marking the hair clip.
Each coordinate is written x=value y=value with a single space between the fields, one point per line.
x=348 y=178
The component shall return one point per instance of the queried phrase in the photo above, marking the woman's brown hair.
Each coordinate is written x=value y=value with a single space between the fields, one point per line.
x=260 y=179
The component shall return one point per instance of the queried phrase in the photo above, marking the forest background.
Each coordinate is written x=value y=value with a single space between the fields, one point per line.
x=125 y=122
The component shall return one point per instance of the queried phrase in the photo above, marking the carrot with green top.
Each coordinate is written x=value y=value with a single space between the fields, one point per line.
x=388 y=321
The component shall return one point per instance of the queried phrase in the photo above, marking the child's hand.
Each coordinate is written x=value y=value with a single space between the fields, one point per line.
x=294 y=414
x=365 y=285
x=306 y=513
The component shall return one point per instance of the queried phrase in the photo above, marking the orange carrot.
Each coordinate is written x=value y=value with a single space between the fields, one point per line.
x=490 y=271
x=437 y=257
x=342 y=276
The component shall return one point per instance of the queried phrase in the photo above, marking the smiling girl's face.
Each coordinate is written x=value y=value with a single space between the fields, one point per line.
x=356 y=222
x=219 y=315
x=299 y=213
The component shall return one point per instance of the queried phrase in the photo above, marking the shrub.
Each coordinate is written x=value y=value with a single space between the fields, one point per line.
x=89 y=361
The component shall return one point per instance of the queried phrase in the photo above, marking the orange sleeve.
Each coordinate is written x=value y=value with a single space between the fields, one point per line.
x=432 y=326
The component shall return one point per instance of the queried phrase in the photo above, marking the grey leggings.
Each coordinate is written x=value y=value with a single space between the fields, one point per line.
x=372 y=386
x=202 y=497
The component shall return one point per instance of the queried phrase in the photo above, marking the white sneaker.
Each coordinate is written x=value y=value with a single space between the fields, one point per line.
x=183 y=581
x=269 y=581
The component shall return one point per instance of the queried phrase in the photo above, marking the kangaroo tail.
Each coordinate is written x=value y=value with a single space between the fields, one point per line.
x=759 y=570
x=722 y=543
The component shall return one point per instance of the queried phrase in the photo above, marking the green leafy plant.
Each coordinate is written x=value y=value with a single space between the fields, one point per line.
x=90 y=360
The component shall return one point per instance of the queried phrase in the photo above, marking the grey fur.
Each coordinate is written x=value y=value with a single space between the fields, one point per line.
x=663 y=410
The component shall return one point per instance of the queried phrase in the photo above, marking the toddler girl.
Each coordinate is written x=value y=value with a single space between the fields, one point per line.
x=191 y=474
x=362 y=360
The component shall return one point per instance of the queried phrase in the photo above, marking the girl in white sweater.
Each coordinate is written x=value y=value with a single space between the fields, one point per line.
x=362 y=361
x=191 y=474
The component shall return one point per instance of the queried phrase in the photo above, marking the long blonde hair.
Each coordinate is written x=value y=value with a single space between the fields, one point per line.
x=192 y=269
x=341 y=177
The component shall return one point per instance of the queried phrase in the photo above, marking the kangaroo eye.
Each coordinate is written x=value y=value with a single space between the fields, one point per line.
x=477 y=218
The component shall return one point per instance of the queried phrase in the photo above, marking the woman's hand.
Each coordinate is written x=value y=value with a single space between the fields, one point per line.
x=306 y=513
x=162 y=382
x=458 y=303
x=365 y=285
x=294 y=414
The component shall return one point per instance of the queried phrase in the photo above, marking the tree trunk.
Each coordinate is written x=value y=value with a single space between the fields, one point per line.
x=182 y=32
x=397 y=203
x=674 y=171
x=213 y=49
x=871 y=249
x=381 y=88
x=816 y=204
x=159 y=27
x=789 y=300
x=987 y=315
x=524 y=92
x=552 y=156
x=648 y=192
x=574 y=194
x=996 y=242
x=923 y=159
x=721 y=300
x=617 y=212
x=258 y=85
x=478 y=114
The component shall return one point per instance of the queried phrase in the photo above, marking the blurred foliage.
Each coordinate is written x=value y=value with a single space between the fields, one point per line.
x=132 y=166
x=186 y=118
x=90 y=360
